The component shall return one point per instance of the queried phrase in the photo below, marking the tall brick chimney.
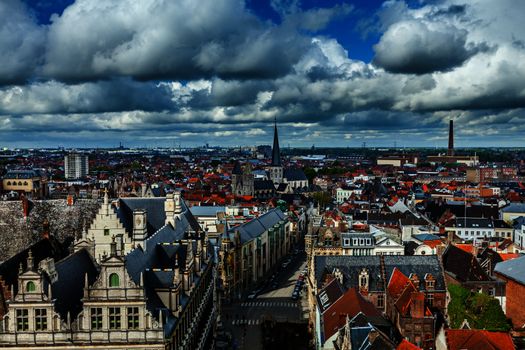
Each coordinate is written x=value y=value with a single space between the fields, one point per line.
x=451 y=139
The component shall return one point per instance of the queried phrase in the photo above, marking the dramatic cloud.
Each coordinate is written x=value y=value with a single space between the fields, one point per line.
x=416 y=47
x=164 y=72
x=21 y=43
x=183 y=39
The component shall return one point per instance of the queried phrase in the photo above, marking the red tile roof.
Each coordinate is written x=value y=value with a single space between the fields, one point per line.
x=351 y=303
x=406 y=345
x=398 y=282
x=509 y=256
x=469 y=248
x=459 y=339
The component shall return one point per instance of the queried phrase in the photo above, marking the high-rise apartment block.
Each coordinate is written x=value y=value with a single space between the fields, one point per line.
x=76 y=166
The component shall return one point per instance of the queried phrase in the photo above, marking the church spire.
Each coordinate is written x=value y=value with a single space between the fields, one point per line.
x=276 y=152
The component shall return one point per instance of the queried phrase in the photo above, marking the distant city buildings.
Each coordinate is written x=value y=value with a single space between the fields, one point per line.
x=76 y=166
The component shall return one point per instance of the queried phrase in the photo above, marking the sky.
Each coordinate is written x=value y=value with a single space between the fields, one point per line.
x=150 y=73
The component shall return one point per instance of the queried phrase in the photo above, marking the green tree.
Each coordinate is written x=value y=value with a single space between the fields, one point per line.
x=310 y=173
x=480 y=310
x=323 y=198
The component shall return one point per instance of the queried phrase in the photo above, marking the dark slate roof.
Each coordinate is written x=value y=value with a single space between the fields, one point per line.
x=282 y=187
x=153 y=255
x=263 y=185
x=68 y=289
x=473 y=222
x=514 y=269
x=350 y=267
x=518 y=222
x=237 y=169
x=435 y=209
x=498 y=223
x=418 y=264
x=21 y=174
x=254 y=228
x=294 y=174
x=154 y=207
x=44 y=248
x=155 y=213
x=329 y=295
x=514 y=208
x=206 y=210
x=426 y=237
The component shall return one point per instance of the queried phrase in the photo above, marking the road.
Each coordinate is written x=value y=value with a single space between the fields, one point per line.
x=246 y=317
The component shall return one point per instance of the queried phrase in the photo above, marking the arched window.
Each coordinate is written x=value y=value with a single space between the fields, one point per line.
x=8 y=183
x=30 y=286
x=114 y=280
x=25 y=183
x=19 y=183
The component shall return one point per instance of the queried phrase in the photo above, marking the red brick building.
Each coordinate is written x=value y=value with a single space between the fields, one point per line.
x=513 y=273
x=408 y=309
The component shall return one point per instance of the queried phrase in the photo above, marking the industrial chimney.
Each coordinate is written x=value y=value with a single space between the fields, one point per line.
x=451 y=139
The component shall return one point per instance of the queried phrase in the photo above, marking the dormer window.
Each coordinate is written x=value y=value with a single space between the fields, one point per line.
x=30 y=287
x=114 y=280
x=363 y=280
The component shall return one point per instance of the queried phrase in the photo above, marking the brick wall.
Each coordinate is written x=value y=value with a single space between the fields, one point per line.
x=515 y=305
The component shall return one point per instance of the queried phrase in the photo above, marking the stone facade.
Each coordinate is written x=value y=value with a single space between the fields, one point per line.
x=159 y=295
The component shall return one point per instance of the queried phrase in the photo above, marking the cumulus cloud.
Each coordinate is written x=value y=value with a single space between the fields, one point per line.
x=167 y=40
x=106 y=96
x=21 y=43
x=416 y=47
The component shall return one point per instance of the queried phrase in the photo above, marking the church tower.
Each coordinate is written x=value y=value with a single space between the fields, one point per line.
x=276 y=168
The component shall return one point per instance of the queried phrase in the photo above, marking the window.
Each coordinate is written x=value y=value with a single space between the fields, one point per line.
x=8 y=183
x=429 y=299
x=114 y=280
x=40 y=319
x=114 y=318
x=492 y=291
x=430 y=284
x=363 y=281
x=106 y=231
x=30 y=286
x=380 y=300
x=96 y=318
x=22 y=320
x=133 y=317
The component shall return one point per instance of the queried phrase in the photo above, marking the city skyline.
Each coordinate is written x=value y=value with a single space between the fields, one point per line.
x=333 y=73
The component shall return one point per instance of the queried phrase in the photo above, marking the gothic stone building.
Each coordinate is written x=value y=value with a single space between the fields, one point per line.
x=159 y=295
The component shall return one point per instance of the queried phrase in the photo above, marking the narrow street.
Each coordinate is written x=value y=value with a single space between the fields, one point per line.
x=247 y=318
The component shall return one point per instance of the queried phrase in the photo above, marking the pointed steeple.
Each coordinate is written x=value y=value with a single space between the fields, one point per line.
x=276 y=152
